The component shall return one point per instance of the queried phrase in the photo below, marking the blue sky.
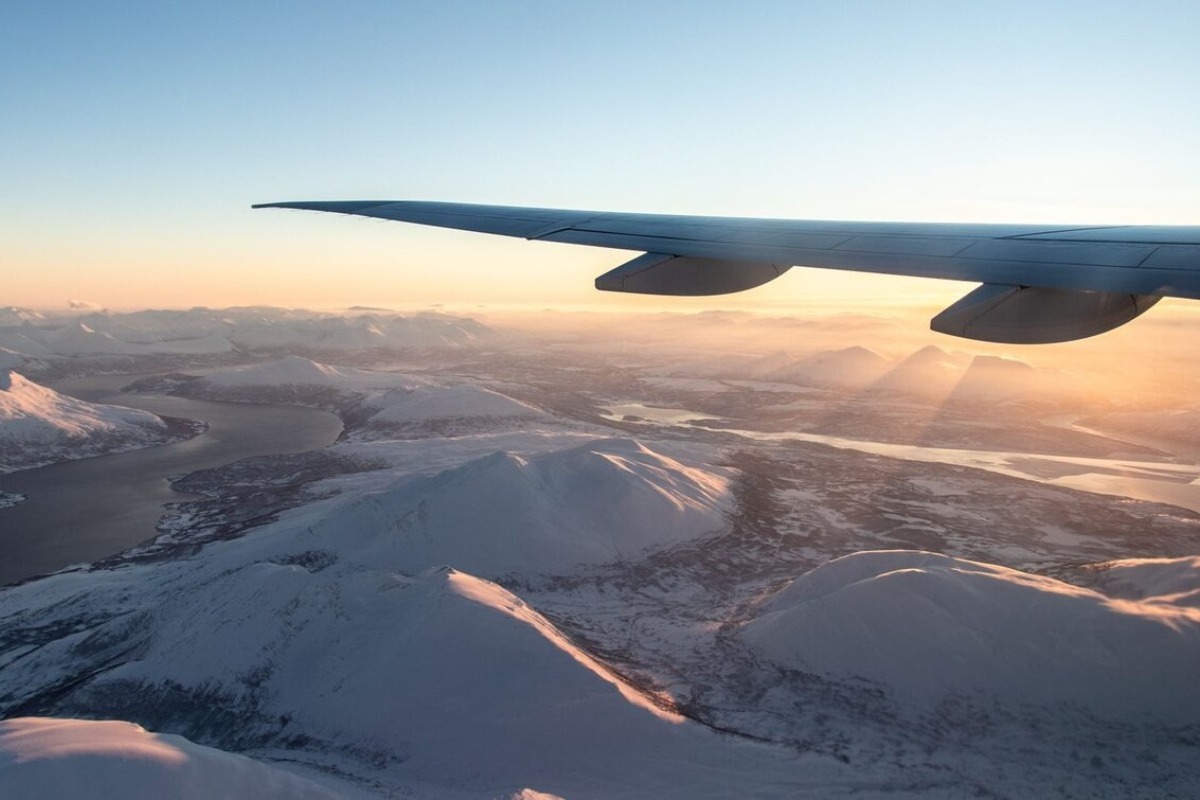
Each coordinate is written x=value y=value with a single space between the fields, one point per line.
x=137 y=134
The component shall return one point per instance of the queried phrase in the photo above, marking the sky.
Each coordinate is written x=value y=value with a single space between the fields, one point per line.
x=136 y=135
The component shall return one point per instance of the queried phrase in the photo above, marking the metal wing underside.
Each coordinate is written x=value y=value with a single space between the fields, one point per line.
x=1122 y=269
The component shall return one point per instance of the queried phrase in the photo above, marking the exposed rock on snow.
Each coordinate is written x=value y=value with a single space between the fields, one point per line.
x=929 y=627
x=62 y=758
x=1155 y=580
x=40 y=426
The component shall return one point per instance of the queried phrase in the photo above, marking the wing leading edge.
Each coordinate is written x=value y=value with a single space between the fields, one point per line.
x=1040 y=283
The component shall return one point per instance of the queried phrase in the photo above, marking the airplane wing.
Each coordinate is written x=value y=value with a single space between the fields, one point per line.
x=1039 y=283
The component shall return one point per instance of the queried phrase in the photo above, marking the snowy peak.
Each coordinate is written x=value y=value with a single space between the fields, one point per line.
x=607 y=500
x=39 y=426
x=80 y=339
x=929 y=373
x=23 y=403
x=849 y=368
x=991 y=379
x=15 y=315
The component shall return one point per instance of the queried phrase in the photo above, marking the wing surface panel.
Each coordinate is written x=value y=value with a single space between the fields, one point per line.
x=1118 y=259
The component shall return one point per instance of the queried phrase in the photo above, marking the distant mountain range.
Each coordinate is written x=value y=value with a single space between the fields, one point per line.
x=374 y=405
x=29 y=335
x=929 y=375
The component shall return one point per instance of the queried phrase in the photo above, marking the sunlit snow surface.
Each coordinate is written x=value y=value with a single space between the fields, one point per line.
x=39 y=426
x=929 y=626
x=65 y=758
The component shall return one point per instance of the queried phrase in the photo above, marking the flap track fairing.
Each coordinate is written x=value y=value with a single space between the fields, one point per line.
x=1038 y=315
x=663 y=273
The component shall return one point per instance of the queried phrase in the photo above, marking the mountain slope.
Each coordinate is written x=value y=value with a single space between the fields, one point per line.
x=441 y=681
x=60 y=758
x=287 y=371
x=849 y=368
x=608 y=500
x=930 y=627
x=446 y=411
x=40 y=426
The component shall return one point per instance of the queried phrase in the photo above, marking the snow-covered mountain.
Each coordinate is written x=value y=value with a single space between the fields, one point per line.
x=287 y=371
x=15 y=315
x=40 y=426
x=991 y=380
x=313 y=638
x=931 y=628
x=114 y=760
x=850 y=368
x=928 y=374
x=79 y=339
x=421 y=410
x=602 y=502
x=375 y=405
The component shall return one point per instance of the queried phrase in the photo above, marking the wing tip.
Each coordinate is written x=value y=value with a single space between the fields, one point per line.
x=337 y=206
